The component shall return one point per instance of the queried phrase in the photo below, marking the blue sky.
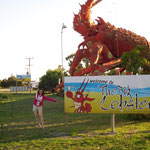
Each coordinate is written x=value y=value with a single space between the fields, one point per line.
x=32 y=28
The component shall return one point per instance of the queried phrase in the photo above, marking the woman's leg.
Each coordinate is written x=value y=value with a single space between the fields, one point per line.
x=37 y=118
x=41 y=116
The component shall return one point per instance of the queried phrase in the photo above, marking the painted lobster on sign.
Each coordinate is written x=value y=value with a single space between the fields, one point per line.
x=103 y=43
x=79 y=99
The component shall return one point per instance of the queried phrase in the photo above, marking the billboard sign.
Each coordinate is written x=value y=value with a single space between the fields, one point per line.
x=24 y=78
x=107 y=94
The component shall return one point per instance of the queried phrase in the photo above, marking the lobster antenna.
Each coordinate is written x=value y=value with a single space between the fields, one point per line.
x=82 y=84
x=96 y=3
x=85 y=85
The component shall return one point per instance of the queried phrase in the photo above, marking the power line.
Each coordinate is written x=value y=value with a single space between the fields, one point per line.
x=29 y=71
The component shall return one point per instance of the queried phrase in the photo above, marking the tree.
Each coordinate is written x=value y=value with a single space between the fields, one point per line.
x=50 y=80
x=59 y=69
x=4 y=83
x=136 y=60
x=11 y=81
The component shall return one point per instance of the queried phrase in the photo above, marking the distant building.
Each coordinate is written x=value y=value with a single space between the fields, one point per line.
x=34 y=84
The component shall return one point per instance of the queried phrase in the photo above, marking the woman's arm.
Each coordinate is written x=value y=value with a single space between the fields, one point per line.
x=49 y=99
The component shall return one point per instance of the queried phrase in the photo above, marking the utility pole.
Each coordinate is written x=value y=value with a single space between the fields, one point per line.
x=29 y=58
x=63 y=27
x=29 y=70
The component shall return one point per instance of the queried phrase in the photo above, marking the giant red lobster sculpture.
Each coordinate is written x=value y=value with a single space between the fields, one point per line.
x=103 y=43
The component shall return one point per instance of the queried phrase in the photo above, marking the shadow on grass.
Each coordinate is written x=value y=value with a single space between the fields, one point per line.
x=16 y=131
x=83 y=125
x=23 y=128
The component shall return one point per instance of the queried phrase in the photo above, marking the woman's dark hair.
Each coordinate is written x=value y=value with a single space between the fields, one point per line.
x=39 y=92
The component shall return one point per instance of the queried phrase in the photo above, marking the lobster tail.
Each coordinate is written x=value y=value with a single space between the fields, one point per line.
x=79 y=26
x=82 y=21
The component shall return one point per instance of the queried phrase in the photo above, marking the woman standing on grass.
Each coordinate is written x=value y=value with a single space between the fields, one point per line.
x=38 y=107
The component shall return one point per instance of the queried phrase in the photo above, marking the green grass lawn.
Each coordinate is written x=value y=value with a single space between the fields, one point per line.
x=85 y=131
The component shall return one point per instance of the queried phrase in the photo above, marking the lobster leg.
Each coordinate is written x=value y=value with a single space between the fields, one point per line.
x=100 y=69
x=82 y=53
x=83 y=71
x=97 y=69
x=101 y=54
x=120 y=70
x=59 y=86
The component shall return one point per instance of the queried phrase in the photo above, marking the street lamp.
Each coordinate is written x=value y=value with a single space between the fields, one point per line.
x=63 y=27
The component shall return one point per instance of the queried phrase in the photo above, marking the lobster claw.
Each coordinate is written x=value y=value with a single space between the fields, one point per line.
x=69 y=94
